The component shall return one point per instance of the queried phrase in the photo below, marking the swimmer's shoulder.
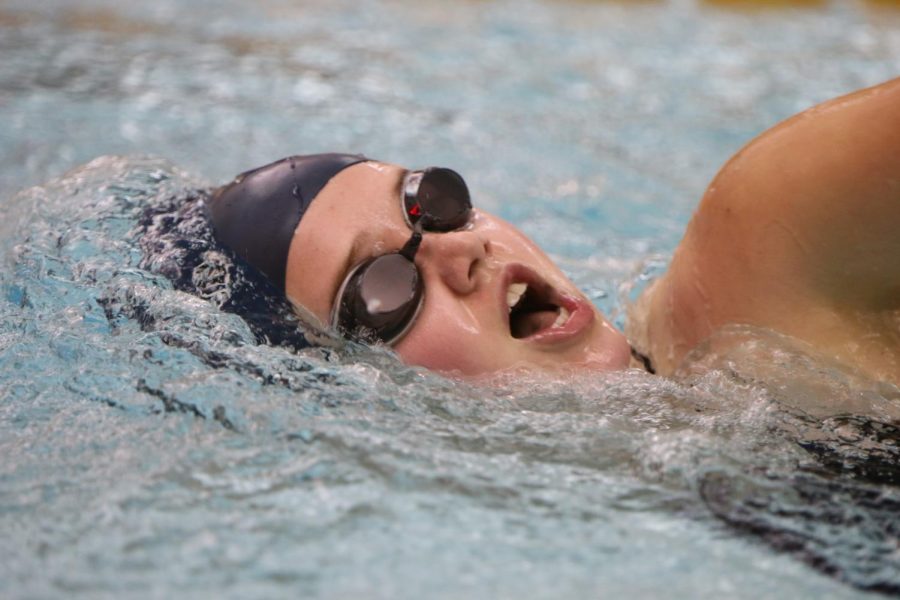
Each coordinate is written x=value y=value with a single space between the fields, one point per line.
x=797 y=232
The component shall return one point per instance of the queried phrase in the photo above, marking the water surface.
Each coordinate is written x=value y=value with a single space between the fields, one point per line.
x=152 y=448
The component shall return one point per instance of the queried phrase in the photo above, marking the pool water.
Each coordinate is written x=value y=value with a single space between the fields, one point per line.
x=151 y=448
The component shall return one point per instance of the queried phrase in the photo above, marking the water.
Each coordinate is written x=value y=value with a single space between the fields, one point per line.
x=152 y=449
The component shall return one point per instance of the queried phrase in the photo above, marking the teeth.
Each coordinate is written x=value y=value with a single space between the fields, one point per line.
x=514 y=294
x=562 y=317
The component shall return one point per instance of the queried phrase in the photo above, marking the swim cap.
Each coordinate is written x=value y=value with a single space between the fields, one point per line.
x=256 y=214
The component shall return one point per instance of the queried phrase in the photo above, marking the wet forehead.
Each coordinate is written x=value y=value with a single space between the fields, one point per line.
x=357 y=212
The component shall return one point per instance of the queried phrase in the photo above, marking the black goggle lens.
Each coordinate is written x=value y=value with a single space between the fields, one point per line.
x=439 y=195
x=380 y=299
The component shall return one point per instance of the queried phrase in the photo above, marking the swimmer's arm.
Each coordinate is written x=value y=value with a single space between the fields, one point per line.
x=811 y=208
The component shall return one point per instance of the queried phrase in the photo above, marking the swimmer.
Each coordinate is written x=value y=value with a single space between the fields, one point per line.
x=797 y=233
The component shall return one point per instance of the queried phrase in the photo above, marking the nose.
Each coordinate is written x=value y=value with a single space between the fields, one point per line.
x=455 y=257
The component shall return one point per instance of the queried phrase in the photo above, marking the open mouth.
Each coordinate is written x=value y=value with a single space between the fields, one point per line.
x=540 y=314
x=533 y=309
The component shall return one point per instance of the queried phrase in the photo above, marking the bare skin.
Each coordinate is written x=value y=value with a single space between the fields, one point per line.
x=799 y=232
x=463 y=328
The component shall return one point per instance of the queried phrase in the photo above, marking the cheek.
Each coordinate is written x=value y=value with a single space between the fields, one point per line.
x=447 y=344
x=509 y=242
x=439 y=353
x=511 y=245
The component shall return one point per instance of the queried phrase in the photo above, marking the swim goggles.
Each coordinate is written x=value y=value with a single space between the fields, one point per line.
x=381 y=296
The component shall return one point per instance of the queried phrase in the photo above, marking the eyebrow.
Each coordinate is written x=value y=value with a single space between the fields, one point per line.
x=355 y=254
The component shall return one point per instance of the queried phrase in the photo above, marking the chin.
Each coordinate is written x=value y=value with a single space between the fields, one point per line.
x=611 y=352
x=601 y=348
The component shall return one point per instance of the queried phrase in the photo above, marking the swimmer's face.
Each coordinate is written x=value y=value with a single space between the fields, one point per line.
x=465 y=327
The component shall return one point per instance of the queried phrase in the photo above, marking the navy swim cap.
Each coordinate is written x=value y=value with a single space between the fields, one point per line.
x=257 y=213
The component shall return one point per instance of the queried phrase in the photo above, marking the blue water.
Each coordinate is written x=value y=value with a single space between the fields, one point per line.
x=151 y=449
